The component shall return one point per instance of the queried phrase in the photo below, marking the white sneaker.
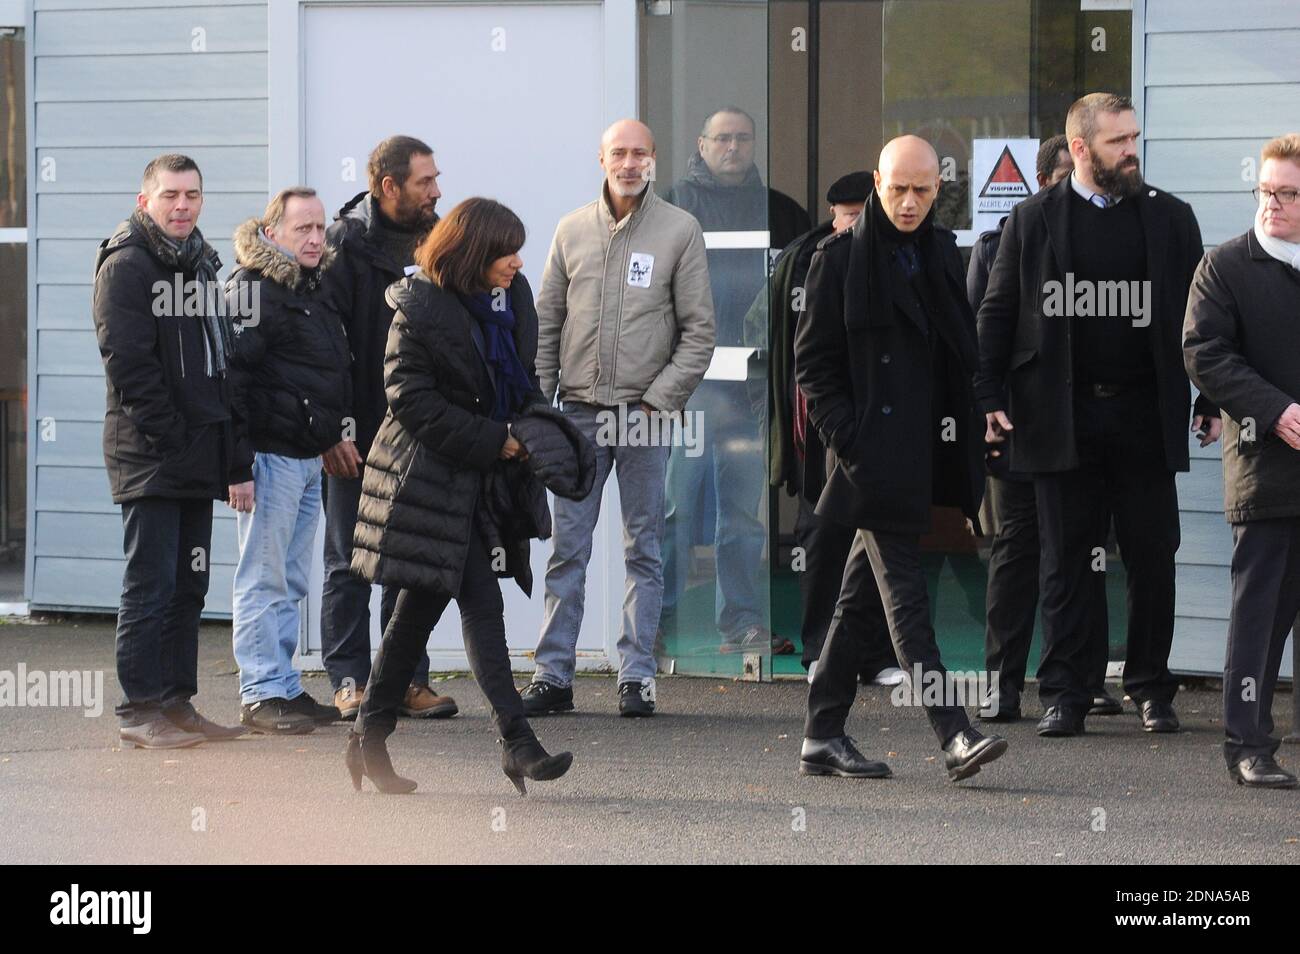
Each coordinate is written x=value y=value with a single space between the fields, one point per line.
x=889 y=676
x=812 y=671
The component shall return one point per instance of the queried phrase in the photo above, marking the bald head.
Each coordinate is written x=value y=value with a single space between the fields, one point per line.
x=629 y=132
x=907 y=181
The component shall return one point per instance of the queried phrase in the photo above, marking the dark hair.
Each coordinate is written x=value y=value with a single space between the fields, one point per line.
x=1049 y=154
x=167 y=162
x=1081 y=120
x=392 y=157
x=458 y=250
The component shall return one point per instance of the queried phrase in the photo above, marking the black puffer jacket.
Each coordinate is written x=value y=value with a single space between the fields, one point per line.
x=168 y=428
x=513 y=507
x=425 y=470
x=291 y=369
x=359 y=282
x=291 y=365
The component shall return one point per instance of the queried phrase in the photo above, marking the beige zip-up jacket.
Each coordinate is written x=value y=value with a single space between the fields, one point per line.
x=625 y=312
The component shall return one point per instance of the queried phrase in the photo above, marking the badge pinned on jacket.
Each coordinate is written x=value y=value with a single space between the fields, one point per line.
x=639 y=269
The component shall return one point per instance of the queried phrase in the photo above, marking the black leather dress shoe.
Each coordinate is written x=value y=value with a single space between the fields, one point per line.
x=1061 y=721
x=1159 y=717
x=967 y=751
x=838 y=757
x=1260 y=771
x=1008 y=710
x=1103 y=704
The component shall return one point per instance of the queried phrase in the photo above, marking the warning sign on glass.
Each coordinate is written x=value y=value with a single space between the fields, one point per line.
x=1002 y=174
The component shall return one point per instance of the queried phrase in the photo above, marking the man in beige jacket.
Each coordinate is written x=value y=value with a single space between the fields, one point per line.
x=626 y=332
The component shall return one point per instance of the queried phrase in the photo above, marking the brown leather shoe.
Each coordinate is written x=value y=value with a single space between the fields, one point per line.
x=348 y=701
x=421 y=702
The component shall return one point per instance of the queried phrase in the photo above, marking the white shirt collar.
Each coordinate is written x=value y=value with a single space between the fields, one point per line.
x=1086 y=194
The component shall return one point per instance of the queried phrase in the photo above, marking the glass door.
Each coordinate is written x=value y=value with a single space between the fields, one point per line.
x=705 y=96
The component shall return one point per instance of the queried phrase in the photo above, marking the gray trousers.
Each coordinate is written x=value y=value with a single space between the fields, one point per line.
x=641 y=478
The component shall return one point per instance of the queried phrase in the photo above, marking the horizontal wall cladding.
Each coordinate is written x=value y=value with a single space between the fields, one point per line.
x=1220 y=80
x=115 y=84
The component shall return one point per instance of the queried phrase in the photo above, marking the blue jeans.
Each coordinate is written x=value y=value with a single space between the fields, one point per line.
x=275 y=543
x=641 y=490
x=734 y=461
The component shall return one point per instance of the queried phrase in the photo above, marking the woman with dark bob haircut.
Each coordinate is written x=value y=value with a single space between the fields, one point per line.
x=459 y=367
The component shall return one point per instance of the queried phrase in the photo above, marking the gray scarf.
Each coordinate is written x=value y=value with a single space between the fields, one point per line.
x=197 y=257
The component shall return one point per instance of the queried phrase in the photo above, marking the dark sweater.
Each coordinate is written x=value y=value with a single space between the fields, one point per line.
x=1108 y=245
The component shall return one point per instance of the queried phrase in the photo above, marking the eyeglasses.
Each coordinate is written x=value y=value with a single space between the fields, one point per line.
x=1284 y=196
x=726 y=139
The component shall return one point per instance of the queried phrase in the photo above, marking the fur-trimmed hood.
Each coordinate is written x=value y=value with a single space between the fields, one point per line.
x=256 y=253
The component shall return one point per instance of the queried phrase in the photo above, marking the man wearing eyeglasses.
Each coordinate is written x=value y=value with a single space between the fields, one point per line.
x=1241 y=344
x=723 y=189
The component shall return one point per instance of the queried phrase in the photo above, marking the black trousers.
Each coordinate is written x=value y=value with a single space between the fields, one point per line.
x=883 y=585
x=168 y=548
x=483 y=627
x=345 y=599
x=1265 y=602
x=1122 y=475
x=1012 y=599
x=825 y=546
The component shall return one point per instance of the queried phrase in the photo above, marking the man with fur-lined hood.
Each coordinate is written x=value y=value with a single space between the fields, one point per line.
x=292 y=384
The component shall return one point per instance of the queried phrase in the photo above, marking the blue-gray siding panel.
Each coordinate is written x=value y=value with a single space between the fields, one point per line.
x=87 y=171
x=1220 y=79
x=123 y=32
x=1171 y=16
x=166 y=76
x=167 y=125
x=115 y=84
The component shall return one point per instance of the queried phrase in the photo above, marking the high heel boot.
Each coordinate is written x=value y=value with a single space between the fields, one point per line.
x=522 y=756
x=369 y=757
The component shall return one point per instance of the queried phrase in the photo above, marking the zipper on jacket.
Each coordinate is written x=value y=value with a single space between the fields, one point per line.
x=180 y=347
x=622 y=298
x=600 y=320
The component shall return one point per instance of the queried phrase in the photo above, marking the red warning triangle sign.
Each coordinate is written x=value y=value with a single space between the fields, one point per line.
x=1006 y=179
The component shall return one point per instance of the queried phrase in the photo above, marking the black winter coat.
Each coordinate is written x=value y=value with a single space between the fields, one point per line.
x=427 y=464
x=359 y=282
x=1029 y=357
x=737 y=275
x=869 y=382
x=168 y=428
x=1241 y=343
x=291 y=369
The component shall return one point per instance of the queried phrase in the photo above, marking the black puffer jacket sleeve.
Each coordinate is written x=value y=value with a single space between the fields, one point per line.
x=411 y=382
x=127 y=332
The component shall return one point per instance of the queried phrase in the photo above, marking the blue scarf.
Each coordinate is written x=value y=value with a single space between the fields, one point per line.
x=512 y=379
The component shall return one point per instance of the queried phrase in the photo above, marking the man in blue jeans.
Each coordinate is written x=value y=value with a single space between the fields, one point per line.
x=625 y=331
x=291 y=384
